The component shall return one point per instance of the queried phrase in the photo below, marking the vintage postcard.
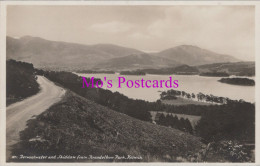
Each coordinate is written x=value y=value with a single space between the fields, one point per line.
x=129 y=82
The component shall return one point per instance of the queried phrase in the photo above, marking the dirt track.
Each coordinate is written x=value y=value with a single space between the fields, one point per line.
x=19 y=113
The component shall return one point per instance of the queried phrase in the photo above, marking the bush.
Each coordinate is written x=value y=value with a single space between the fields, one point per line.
x=233 y=151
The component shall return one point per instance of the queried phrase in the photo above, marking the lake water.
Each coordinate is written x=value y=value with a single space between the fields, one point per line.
x=187 y=83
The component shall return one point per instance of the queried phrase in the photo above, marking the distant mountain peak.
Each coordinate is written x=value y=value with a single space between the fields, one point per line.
x=194 y=55
x=106 y=44
x=28 y=37
x=187 y=46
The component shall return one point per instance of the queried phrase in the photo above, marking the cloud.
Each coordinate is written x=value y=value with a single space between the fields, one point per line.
x=139 y=36
x=111 y=27
x=222 y=29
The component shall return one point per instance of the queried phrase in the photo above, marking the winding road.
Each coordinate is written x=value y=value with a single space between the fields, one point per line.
x=19 y=113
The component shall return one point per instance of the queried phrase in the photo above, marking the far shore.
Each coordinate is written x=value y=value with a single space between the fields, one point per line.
x=182 y=101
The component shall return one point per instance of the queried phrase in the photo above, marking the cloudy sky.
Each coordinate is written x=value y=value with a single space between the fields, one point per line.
x=222 y=29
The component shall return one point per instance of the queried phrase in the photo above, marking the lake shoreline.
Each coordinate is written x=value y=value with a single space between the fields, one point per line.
x=188 y=83
x=183 y=101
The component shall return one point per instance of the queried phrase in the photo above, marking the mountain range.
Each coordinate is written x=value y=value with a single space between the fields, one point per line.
x=137 y=61
x=71 y=56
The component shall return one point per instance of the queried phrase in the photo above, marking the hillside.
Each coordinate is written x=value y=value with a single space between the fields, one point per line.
x=20 y=81
x=181 y=69
x=77 y=126
x=236 y=68
x=192 y=55
x=53 y=54
x=137 y=61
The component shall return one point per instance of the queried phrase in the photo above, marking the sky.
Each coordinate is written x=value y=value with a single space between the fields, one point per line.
x=222 y=29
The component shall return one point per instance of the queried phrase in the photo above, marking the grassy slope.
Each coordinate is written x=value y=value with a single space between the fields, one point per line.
x=79 y=126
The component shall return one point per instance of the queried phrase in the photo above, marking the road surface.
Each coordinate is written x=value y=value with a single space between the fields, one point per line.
x=19 y=113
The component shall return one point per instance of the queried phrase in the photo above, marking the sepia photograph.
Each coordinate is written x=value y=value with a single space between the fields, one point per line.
x=130 y=83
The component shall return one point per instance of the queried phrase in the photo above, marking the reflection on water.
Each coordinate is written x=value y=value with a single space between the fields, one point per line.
x=187 y=83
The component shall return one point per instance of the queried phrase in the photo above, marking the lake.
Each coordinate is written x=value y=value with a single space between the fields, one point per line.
x=188 y=83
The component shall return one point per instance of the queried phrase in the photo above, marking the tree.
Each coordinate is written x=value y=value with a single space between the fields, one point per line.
x=188 y=126
x=183 y=93
x=161 y=120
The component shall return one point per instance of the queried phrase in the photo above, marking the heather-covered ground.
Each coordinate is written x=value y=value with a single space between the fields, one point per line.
x=77 y=126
